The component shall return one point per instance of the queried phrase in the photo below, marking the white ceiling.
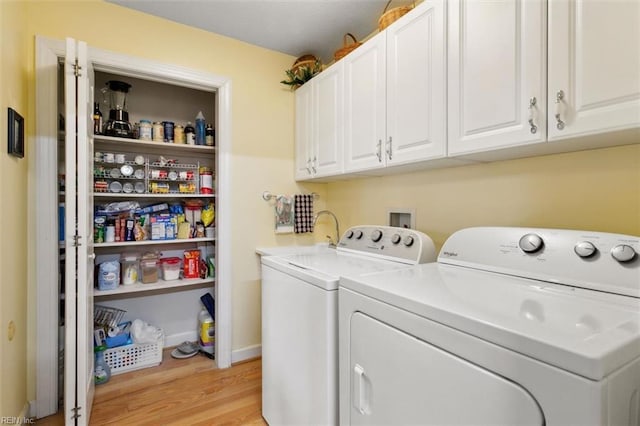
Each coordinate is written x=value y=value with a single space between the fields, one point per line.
x=295 y=27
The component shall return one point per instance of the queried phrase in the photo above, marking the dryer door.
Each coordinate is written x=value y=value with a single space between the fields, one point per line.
x=398 y=379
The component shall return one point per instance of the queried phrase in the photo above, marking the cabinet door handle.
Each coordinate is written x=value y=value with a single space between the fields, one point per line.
x=308 y=168
x=389 y=149
x=360 y=397
x=313 y=165
x=379 y=151
x=532 y=112
x=559 y=99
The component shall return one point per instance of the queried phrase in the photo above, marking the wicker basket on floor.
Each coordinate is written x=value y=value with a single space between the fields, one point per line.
x=390 y=16
x=346 y=48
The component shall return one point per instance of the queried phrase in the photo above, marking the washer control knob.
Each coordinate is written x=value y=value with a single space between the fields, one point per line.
x=408 y=241
x=585 y=249
x=376 y=235
x=349 y=234
x=358 y=234
x=531 y=243
x=623 y=253
x=395 y=239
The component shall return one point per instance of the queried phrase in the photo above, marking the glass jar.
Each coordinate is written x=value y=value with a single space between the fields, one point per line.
x=178 y=134
x=145 y=130
x=158 y=132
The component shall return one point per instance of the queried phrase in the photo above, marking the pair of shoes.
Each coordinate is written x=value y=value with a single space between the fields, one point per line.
x=185 y=350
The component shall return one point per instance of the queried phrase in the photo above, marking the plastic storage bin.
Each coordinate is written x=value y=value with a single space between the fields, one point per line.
x=170 y=268
x=130 y=269
x=149 y=268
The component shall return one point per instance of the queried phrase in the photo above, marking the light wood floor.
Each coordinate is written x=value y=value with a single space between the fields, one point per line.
x=179 y=392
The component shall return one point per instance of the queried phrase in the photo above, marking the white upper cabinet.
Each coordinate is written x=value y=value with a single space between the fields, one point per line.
x=416 y=85
x=395 y=93
x=319 y=121
x=594 y=63
x=496 y=74
x=365 y=127
x=304 y=132
x=327 y=158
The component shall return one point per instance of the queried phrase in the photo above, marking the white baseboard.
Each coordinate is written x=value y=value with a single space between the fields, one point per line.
x=238 y=355
x=246 y=353
x=178 y=338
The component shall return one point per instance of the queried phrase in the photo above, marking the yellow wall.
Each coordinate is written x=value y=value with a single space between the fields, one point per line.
x=13 y=220
x=595 y=190
x=262 y=122
x=591 y=190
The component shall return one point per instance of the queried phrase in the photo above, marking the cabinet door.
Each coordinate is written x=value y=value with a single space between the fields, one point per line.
x=327 y=155
x=496 y=66
x=78 y=352
x=594 y=59
x=416 y=85
x=303 y=131
x=365 y=105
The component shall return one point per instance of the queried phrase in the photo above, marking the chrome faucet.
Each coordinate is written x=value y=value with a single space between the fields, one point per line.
x=315 y=219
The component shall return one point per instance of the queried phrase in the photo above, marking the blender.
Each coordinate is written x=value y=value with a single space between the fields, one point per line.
x=118 y=124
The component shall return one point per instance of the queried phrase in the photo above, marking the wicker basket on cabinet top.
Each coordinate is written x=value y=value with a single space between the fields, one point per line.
x=346 y=48
x=390 y=16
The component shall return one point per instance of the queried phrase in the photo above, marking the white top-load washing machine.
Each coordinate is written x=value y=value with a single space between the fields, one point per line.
x=511 y=326
x=300 y=318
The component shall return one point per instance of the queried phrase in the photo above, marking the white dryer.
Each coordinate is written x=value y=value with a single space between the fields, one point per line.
x=300 y=318
x=511 y=326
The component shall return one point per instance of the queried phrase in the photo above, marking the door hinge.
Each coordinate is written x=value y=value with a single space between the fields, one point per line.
x=76 y=242
x=76 y=414
x=76 y=69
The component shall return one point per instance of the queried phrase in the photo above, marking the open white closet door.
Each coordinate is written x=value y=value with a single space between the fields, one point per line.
x=79 y=256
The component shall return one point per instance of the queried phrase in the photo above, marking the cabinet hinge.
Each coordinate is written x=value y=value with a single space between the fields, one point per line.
x=76 y=69
x=76 y=414
x=76 y=240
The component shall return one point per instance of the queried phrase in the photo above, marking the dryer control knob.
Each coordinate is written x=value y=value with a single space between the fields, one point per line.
x=408 y=241
x=349 y=234
x=376 y=235
x=531 y=243
x=585 y=249
x=358 y=234
x=623 y=253
x=395 y=239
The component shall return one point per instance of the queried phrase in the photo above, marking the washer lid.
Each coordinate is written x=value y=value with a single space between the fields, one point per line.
x=328 y=267
x=586 y=332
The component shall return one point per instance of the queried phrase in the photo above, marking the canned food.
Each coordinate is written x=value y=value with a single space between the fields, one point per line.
x=206 y=180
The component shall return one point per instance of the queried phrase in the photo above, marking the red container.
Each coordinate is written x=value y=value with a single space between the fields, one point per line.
x=170 y=268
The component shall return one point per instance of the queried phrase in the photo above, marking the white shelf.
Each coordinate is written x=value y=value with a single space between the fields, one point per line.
x=146 y=145
x=160 y=285
x=153 y=242
x=136 y=195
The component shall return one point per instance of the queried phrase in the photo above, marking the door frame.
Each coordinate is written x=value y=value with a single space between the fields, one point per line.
x=44 y=193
